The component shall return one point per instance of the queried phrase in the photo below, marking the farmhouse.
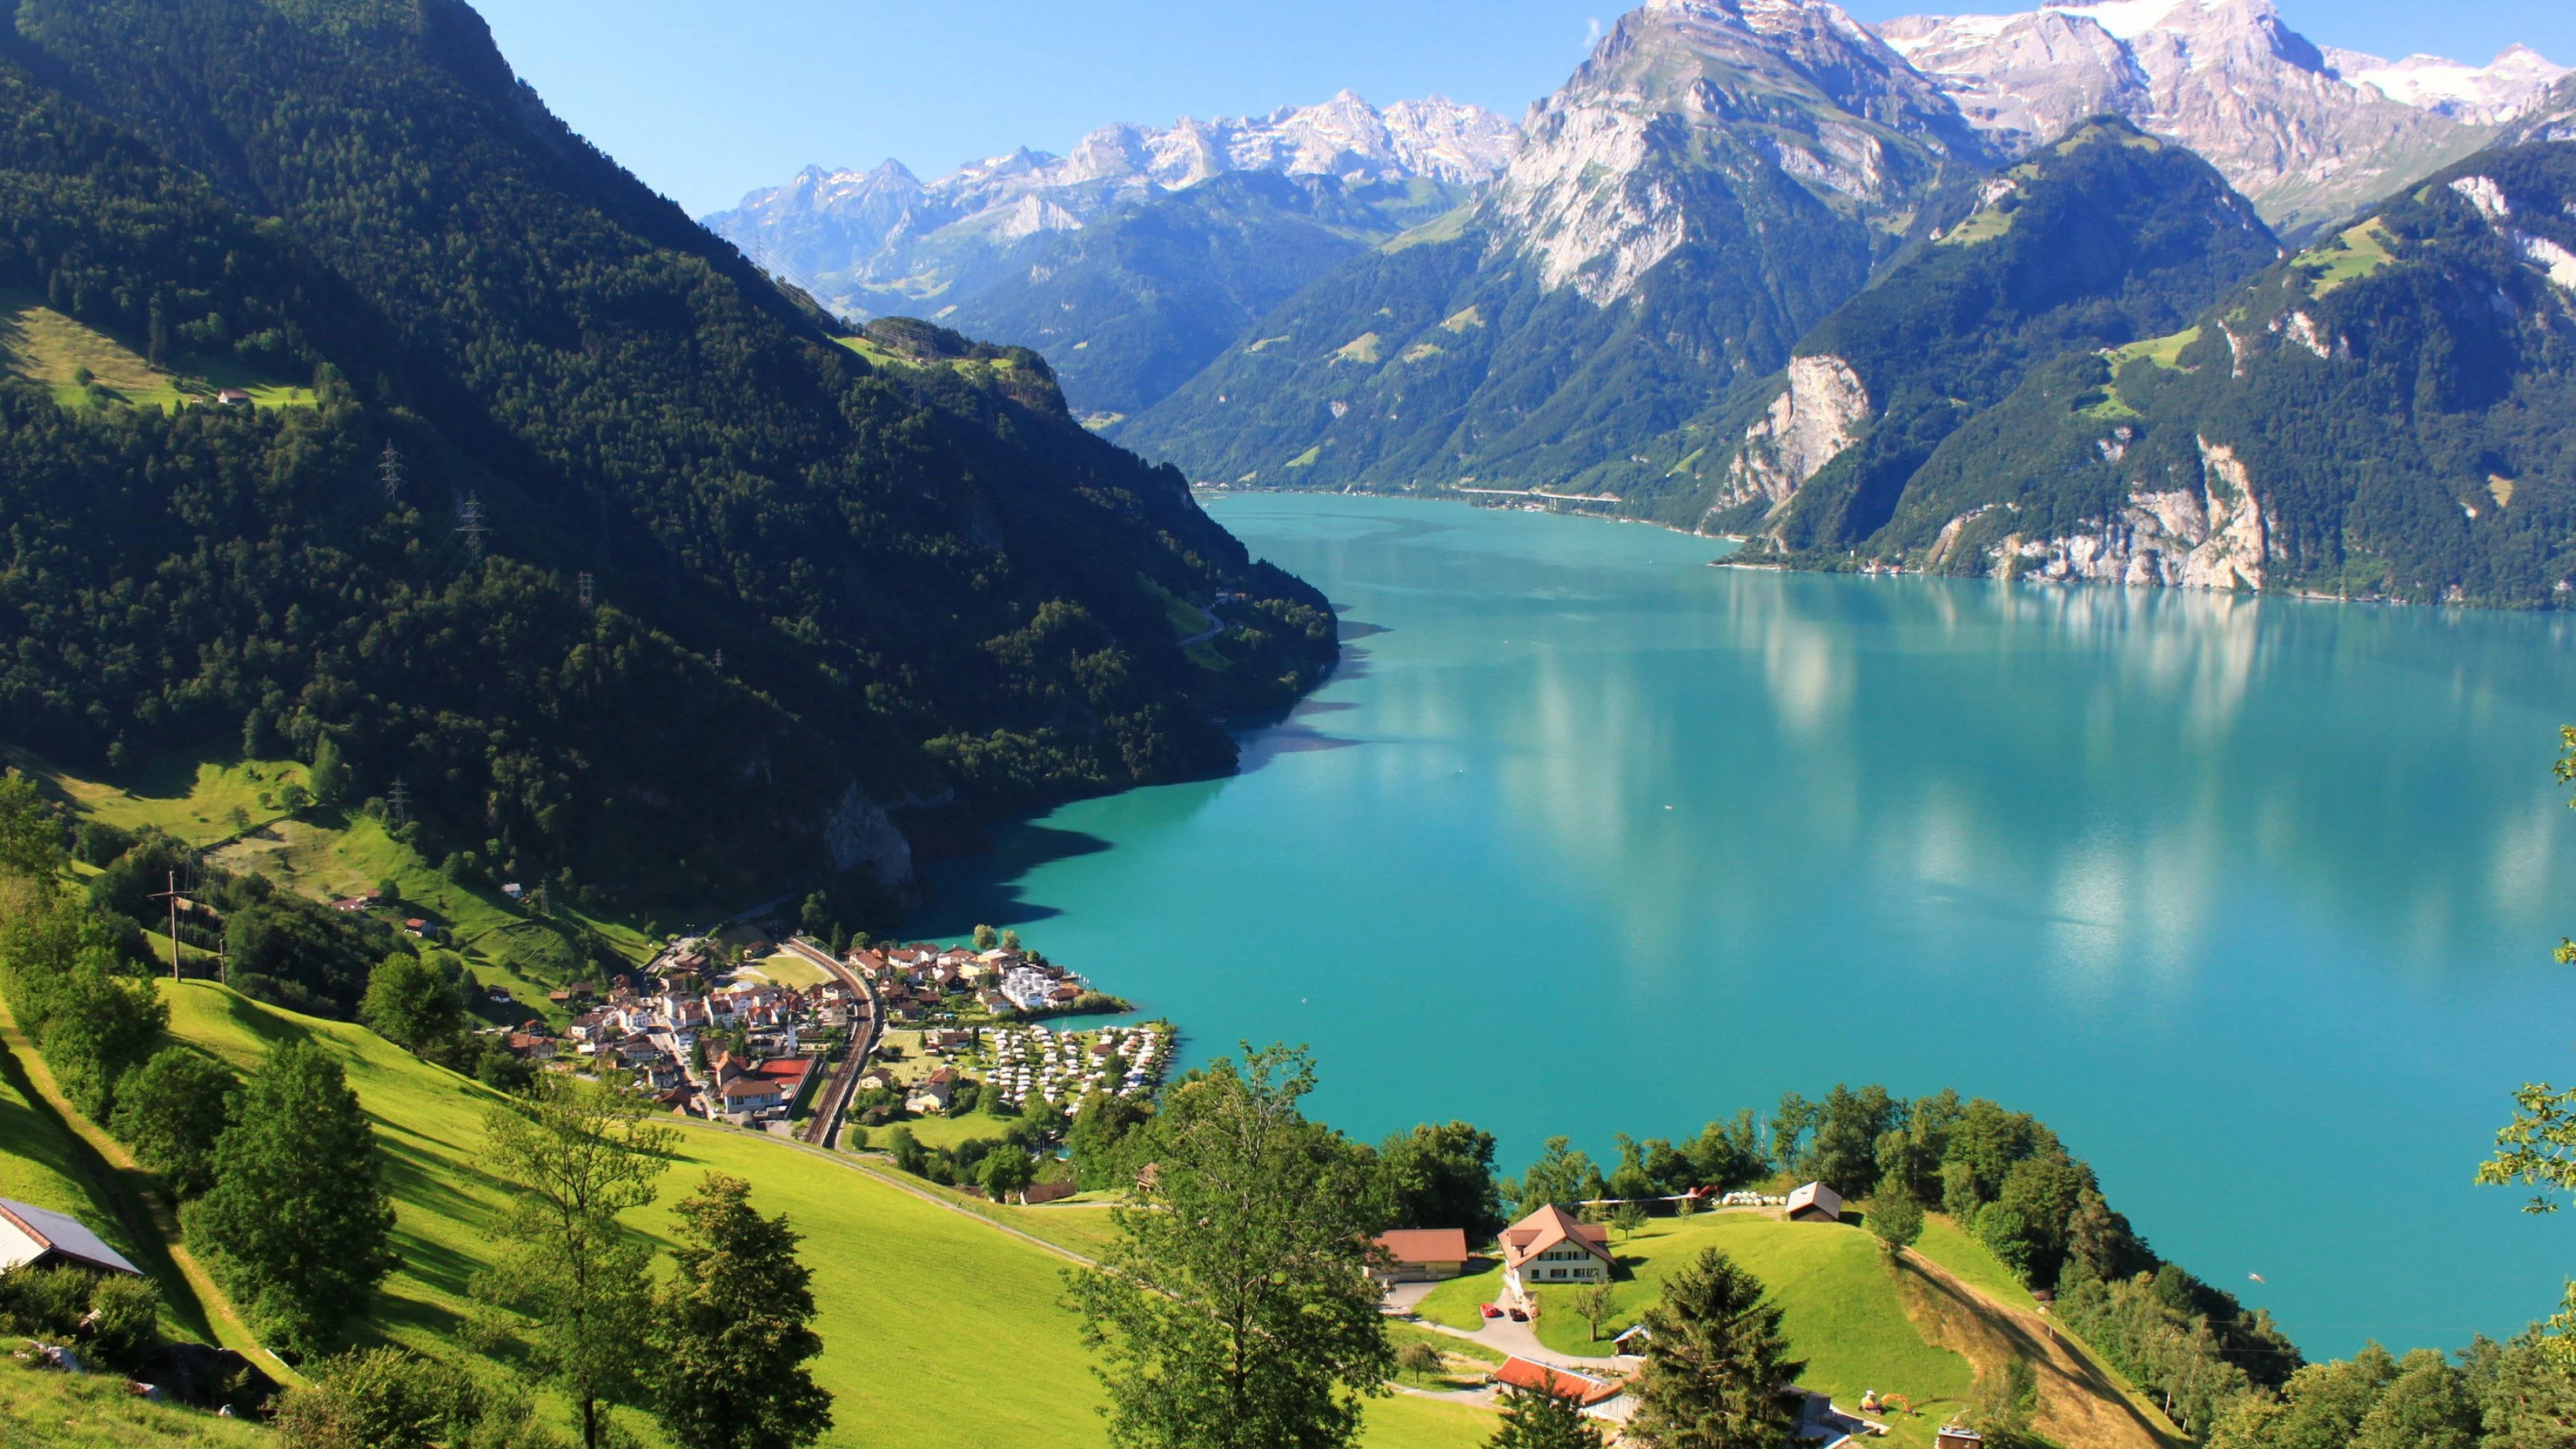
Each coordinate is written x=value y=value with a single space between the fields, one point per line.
x=1550 y=1246
x=1815 y=1203
x=31 y=1236
x=1422 y=1255
x=746 y=1094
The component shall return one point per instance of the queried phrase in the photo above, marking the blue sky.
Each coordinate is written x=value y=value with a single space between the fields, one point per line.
x=707 y=101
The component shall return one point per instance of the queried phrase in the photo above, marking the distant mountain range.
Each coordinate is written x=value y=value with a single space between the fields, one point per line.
x=1668 y=288
x=1124 y=248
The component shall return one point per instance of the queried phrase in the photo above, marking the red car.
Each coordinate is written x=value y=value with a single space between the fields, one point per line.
x=1489 y=1310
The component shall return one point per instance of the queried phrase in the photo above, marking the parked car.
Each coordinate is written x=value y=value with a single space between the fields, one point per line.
x=1489 y=1310
x=1519 y=1317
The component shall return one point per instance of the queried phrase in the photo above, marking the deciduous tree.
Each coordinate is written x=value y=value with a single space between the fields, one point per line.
x=410 y=1004
x=1897 y=1219
x=297 y=1219
x=734 y=1329
x=575 y=1279
x=1442 y=1176
x=1233 y=1310
x=171 y=1111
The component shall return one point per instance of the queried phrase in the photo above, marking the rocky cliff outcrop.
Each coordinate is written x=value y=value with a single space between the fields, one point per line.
x=2210 y=535
x=1817 y=415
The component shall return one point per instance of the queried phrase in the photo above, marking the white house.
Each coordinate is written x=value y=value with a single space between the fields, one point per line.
x=1551 y=1246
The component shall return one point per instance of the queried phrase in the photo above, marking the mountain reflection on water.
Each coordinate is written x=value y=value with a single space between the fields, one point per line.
x=2252 y=899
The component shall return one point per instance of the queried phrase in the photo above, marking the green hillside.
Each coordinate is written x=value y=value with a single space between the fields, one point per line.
x=591 y=536
x=63 y=1411
x=937 y=1328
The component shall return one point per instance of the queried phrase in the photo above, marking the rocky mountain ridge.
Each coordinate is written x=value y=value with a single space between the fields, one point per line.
x=2308 y=132
x=840 y=233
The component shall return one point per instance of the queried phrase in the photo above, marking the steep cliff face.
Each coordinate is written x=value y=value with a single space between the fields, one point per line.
x=2307 y=133
x=2207 y=534
x=1715 y=178
x=2382 y=415
x=1818 y=414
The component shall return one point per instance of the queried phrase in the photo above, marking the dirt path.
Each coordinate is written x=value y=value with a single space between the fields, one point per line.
x=2081 y=1405
x=149 y=1220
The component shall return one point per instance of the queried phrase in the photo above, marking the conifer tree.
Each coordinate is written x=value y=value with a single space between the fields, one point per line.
x=1534 y=1419
x=1715 y=1363
x=736 y=1327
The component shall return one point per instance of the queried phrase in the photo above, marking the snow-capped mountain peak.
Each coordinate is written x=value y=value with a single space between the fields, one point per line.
x=2483 y=94
x=2306 y=132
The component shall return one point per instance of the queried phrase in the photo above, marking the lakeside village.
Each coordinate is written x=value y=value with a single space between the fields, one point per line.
x=773 y=1032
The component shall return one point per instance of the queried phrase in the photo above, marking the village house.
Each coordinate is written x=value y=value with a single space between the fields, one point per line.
x=934 y=1093
x=1551 y=1246
x=1421 y=1255
x=748 y=1096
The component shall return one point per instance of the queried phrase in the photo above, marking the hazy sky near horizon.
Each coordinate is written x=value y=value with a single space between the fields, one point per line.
x=706 y=102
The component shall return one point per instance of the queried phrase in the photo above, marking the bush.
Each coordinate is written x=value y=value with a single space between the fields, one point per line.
x=382 y=1399
x=123 y=1327
x=44 y=1302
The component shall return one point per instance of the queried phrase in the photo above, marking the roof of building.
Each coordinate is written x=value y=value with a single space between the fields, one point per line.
x=47 y=1231
x=1816 y=1195
x=751 y=1087
x=1546 y=1228
x=1522 y=1373
x=1425 y=1245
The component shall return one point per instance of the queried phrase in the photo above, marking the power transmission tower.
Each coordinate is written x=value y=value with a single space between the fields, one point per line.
x=470 y=516
x=584 y=581
x=719 y=659
x=398 y=803
x=389 y=471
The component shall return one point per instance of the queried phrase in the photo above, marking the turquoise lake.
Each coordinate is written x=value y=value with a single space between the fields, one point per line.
x=2252 y=900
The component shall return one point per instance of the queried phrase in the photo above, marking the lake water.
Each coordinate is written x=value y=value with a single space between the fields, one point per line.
x=2252 y=900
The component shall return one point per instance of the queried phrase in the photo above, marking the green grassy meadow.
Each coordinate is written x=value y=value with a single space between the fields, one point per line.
x=47 y=347
x=937 y=1329
x=1842 y=1307
x=93 y=1411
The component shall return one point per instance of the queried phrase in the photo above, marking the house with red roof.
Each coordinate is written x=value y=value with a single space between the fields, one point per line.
x=1420 y=1255
x=1584 y=1389
x=1552 y=1246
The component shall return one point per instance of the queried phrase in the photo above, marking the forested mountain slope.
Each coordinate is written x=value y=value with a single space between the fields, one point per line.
x=2102 y=238
x=1714 y=180
x=2385 y=414
x=605 y=547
